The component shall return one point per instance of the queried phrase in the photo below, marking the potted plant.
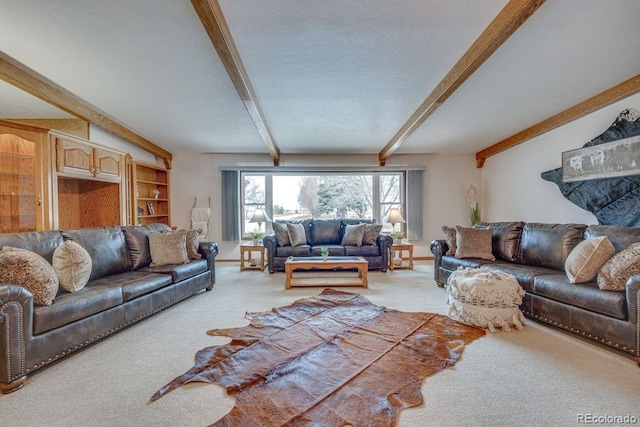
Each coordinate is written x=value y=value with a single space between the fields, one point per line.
x=324 y=251
x=155 y=193
x=256 y=236
x=399 y=235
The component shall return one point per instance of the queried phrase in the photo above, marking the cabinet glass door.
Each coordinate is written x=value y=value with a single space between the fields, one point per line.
x=18 y=184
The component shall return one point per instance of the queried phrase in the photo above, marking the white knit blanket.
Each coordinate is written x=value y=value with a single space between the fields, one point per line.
x=485 y=298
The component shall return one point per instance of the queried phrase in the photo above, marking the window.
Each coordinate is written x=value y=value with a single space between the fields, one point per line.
x=321 y=195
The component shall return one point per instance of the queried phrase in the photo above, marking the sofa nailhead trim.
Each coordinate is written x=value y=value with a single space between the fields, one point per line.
x=117 y=328
x=602 y=340
x=22 y=348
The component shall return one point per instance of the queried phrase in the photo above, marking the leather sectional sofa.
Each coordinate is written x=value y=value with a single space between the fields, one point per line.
x=535 y=254
x=119 y=293
x=329 y=233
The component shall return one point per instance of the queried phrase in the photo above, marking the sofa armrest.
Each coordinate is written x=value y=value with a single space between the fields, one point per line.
x=16 y=326
x=438 y=248
x=270 y=244
x=633 y=294
x=209 y=250
x=384 y=242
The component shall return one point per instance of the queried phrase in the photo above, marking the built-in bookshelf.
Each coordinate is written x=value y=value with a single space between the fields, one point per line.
x=150 y=194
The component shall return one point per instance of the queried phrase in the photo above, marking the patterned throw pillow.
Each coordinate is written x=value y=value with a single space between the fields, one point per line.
x=474 y=243
x=587 y=258
x=72 y=264
x=297 y=235
x=353 y=235
x=614 y=273
x=282 y=235
x=31 y=271
x=193 y=244
x=371 y=233
x=450 y=237
x=168 y=248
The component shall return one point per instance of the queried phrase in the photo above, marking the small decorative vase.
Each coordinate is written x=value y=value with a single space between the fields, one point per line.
x=324 y=257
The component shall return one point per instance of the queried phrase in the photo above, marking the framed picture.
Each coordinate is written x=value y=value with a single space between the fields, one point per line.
x=615 y=158
x=150 y=208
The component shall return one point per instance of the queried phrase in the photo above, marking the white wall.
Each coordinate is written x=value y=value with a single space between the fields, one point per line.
x=447 y=178
x=512 y=188
x=101 y=136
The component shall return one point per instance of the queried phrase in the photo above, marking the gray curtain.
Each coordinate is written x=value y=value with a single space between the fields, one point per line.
x=415 y=204
x=230 y=206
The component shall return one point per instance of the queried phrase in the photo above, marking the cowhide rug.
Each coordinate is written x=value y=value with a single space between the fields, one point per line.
x=333 y=359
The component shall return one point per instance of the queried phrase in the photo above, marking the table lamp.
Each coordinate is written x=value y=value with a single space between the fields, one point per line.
x=259 y=216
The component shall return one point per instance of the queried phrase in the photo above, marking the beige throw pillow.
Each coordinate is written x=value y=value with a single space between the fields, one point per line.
x=168 y=248
x=474 y=243
x=353 y=235
x=72 y=264
x=614 y=273
x=586 y=259
x=297 y=235
x=31 y=271
x=193 y=244
x=450 y=237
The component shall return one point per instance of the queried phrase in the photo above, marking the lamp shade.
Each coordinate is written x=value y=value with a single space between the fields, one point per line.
x=395 y=217
x=260 y=216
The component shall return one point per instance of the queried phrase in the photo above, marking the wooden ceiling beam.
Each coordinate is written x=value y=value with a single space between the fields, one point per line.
x=510 y=18
x=216 y=27
x=19 y=75
x=601 y=100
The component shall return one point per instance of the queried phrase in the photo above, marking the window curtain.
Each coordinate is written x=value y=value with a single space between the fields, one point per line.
x=415 y=204
x=230 y=206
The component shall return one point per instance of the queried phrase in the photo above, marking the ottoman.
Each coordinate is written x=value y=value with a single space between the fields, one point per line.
x=485 y=298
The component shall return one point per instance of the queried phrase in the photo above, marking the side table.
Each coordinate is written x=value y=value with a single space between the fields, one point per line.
x=401 y=247
x=247 y=249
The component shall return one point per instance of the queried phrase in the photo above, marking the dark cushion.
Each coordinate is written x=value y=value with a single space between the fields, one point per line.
x=362 y=250
x=583 y=295
x=620 y=237
x=287 y=251
x=134 y=283
x=69 y=307
x=324 y=232
x=106 y=246
x=549 y=245
x=44 y=243
x=505 y=238
x=179 y=272
x=524 y=274
x=334 y=250
x=452 y=263
x=137 y=239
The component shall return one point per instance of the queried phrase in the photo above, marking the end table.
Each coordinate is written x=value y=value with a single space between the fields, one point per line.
x=247 y=248
x=400 y=247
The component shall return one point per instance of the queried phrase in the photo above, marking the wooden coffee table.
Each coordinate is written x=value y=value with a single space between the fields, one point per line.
x=332 y=263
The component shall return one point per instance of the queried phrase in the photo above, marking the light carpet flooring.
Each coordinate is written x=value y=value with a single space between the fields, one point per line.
x=537 y=377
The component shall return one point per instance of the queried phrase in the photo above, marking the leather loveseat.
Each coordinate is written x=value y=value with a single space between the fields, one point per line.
x=328 y=233
x=122 y=290
x=535 y=254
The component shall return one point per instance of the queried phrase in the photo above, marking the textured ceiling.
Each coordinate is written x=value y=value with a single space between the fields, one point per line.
x=338 y=76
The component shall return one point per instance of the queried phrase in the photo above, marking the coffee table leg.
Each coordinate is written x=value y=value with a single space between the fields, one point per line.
x=287 y=283
x=365 y=281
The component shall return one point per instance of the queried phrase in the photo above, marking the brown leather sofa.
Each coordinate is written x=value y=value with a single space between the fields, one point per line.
x=329 y=233
x=122 y=290
x=535 y=254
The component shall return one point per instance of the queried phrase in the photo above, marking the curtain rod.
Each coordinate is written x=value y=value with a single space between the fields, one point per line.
x=292 y=169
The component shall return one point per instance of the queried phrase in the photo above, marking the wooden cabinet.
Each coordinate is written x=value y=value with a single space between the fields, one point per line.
x=24 y=190
x=81 y=158
x=150 y=194
x=89 y=184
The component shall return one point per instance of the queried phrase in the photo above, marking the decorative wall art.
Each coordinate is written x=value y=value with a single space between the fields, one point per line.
x=616 y=158
x=613 y=200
